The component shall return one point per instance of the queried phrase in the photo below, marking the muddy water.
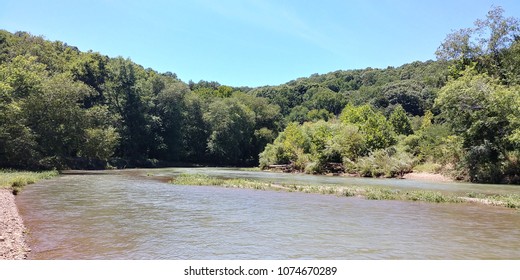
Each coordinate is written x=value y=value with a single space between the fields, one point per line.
x=129 y=215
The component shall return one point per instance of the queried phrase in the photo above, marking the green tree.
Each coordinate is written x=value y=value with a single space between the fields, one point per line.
x=56 y=118
x=326 y=99
x=20 y=78
x=377 y=130
x=125 y=97
x=400 y=121
x=24 y=76
x=232 y=126
x=474 y=107
x=320 y=133
x=224 y=91
x=194 y=130
x=90 y=68
x=100 y=136
x=321 y=114
x=510 y=69
x=292 y=146
x=479 y=109
x=332 y=142
x=484 y=43
x=408 y=94
x=100 y=143
x=298 y=114
x=356 y=114
x=170 y=106
x=266 y=124
x=18 y=147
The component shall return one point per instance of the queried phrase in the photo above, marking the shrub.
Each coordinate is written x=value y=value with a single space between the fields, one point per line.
x=381 y=194
x=385 y=162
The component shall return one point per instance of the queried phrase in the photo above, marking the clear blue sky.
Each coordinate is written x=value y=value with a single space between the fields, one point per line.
x=251 y=42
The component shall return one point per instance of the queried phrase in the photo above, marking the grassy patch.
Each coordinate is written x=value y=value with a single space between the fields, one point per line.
x=507 y=200
x=16 y=180
x=205 y=180
x=250 y=169
x=432 y=196
x=511 y=201
x=428 y=167
x=381 y=194
x=372 y=193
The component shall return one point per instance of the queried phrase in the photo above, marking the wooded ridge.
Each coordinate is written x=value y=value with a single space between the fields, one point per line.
x=460 y=115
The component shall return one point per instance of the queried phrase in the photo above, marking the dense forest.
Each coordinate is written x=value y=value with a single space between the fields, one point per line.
x=459 y=115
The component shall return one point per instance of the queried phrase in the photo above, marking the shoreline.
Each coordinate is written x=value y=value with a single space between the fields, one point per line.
x=414 y=175
x=427 y=176
x=367 y=192
x=13 y=245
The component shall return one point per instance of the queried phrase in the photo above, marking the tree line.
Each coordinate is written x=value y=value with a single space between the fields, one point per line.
x=459 y=115
x=64 y=108
x=61 y=107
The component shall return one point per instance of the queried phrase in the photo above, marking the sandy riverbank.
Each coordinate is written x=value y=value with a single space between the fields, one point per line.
x=12 y=229
x=424 y=176
x=427 y=176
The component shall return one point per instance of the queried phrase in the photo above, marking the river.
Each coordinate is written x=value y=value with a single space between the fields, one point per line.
x=136 y=214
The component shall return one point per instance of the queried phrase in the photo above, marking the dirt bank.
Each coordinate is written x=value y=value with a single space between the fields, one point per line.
x=12 y=230
x=427 y=176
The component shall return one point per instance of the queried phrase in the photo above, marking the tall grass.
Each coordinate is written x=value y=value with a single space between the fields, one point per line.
x=16 y=180
x=205 y=180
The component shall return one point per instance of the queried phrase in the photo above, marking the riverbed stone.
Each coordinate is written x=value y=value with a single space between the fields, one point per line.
x=12 y=238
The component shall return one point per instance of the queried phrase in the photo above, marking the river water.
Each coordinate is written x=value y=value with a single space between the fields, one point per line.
x=136 y=214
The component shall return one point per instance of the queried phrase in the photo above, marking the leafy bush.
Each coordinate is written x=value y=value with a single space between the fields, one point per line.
x=384 y=162
x=483 y=163
x=512 y=167
x=400 y=121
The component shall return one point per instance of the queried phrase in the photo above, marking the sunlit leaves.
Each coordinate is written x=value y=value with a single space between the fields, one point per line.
x=400 y=121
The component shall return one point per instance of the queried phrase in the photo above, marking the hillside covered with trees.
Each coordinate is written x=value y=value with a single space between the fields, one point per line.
x=460 y=115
